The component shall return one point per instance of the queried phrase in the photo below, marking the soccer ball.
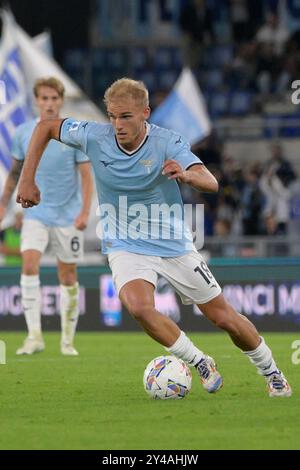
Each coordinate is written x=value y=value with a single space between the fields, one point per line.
x=167 y=377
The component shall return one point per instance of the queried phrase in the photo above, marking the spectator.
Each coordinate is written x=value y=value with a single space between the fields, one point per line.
x=269 y=72
x=226 y=246
x=239 y=17
x=273 y=34
x=251 y=204
x=209 y=151
x=241 y=73
x=270 y=225
x=294 y=222
x=282 y=166
x=222 y=227
x=277 y=200
x=197 y=26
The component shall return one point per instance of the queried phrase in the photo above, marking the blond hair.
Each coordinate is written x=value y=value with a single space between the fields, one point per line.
x=51 y=82
x=127 y=88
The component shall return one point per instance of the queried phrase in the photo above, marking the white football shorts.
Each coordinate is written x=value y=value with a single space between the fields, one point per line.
x=188 y=274
x=66 y=243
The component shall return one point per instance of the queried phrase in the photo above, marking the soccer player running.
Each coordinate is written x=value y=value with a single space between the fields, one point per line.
x=136 y=166
x=59 y=220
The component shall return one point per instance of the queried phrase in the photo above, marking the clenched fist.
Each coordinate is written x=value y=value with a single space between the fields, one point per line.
x=28 y=194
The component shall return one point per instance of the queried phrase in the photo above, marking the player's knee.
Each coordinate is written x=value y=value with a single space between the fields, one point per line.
x=139 y=309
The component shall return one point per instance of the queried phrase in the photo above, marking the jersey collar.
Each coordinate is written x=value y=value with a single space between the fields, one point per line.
x=127 y=152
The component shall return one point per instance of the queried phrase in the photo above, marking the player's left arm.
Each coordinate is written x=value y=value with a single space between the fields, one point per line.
x=87 y=188
x=197 y=176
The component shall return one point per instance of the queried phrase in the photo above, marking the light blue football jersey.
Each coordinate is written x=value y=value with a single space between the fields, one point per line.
x=132 y=189
x=57 y=178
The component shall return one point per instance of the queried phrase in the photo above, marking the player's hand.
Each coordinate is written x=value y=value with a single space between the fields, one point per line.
x=28 y=194
x=173 y=170
x=81 y=221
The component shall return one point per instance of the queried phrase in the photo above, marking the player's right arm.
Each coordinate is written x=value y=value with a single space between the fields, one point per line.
x=28 y=192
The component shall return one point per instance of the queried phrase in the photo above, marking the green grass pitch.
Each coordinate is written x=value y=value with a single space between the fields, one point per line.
x=97 y=401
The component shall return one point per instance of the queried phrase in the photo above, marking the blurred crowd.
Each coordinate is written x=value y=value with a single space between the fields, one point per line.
x=259 y=58
x=263 y=54
x=257 y=199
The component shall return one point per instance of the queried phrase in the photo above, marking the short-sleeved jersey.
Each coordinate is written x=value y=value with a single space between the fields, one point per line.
x=134 y=197
x=57 y=178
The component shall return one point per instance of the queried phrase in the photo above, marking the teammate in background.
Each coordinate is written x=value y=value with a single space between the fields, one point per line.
x=59 y=220
x=141 y=163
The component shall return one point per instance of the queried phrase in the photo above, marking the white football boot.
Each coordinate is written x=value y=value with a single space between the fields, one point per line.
x=31 y=345
x=210 y=378
x=68 y=350
x=278 y=385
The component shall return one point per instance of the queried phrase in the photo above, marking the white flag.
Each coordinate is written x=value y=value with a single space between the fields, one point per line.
x=184 y=109
x=38 y=63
